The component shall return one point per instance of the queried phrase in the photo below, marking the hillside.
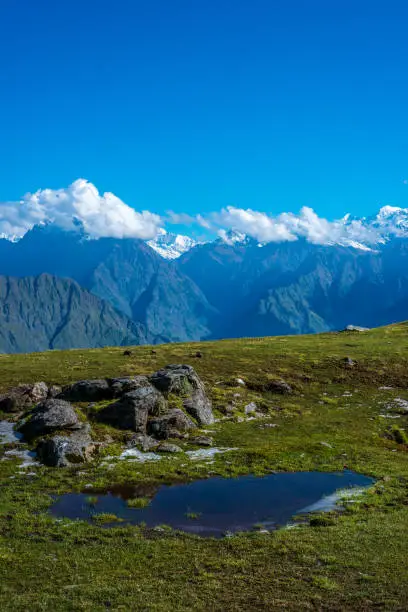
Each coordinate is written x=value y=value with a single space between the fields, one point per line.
x=347 y=410
x=47 y=312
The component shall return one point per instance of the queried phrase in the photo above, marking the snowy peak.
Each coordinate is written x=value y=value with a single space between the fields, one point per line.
x=171 y=246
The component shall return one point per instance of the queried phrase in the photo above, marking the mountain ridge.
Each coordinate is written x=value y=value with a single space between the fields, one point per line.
x=45 y=312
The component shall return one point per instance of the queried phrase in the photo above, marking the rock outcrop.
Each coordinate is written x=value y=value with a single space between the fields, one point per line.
x=133 y=409
x=183 y=380
x=49 y=416
x=87 y=391
x=64 y=451
x=119 y=386
x=170 y=425
x=23 y=397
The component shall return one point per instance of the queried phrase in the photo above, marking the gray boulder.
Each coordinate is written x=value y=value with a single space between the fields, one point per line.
x=170 y=425
x=64 y=451
x=49 y=416
x=23 y=397
x=120 y=386
x=87 y=391
x=133 y=409
x=183 y=380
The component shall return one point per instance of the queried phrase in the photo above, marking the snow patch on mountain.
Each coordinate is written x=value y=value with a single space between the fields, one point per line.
x=171 y=246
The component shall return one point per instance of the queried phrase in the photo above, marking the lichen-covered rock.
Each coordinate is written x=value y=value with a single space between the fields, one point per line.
x=49 y=416
x=170 y=425
x=87 y=391
x=133 y=409
x=63 y=451
x=183 y=380
x=23 y=397
x=120 y=386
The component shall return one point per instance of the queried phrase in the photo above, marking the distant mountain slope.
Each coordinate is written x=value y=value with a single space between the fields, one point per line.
x=46 y=312
x=298 y=287
x=225 y=288
x=128 y=273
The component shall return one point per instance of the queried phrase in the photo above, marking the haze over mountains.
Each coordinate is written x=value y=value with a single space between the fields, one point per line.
x=61 y=289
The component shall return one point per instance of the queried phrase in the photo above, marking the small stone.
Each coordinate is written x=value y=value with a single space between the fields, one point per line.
x=146 y=443
x=203 y=441
x=326 y=444
x=250 y=408
x=166 y=447
x=279 y=386
x=349 y=363
x=239 y=381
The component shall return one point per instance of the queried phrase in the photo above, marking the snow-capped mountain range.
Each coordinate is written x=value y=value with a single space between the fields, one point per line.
x=363 y=233
x=231 y=286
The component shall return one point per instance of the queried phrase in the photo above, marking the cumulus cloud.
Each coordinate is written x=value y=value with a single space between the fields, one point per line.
x=307 y=224
x=100 y=215
x=105 y=215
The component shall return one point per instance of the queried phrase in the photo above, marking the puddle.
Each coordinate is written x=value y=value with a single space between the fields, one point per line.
x=7 y=433
x=216 y=506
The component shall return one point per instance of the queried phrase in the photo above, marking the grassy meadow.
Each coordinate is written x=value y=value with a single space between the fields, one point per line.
x=339 y=416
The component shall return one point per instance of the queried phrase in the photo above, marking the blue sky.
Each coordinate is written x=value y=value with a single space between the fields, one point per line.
x=192 y=105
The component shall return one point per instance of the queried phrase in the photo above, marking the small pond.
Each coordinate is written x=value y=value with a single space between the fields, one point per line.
x=216 y=506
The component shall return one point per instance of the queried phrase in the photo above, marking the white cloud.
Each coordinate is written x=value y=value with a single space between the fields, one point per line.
x=307 y=224
x=105 y=215
x=100 y=214
x=256 y=224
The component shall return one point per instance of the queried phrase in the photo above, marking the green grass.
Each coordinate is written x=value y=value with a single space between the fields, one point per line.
x=350 y=561
x=138 y=502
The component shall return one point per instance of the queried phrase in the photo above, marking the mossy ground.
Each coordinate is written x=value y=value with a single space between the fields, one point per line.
x=352 y=561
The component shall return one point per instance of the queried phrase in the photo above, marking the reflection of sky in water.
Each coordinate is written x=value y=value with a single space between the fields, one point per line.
x=220 y=504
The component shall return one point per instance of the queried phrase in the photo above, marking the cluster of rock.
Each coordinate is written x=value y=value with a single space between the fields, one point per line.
x=137 y=403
